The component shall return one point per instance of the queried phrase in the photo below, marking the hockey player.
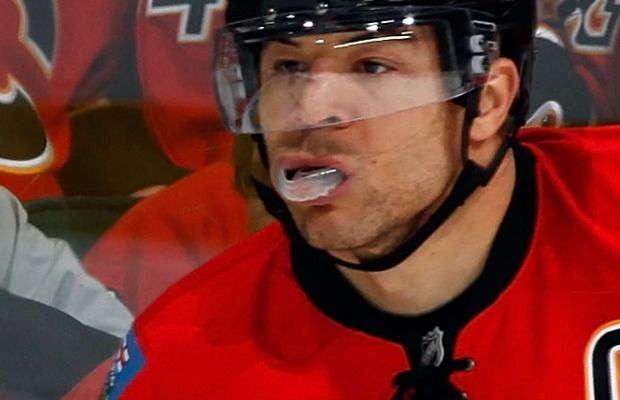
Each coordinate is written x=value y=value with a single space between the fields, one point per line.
x=423 y=250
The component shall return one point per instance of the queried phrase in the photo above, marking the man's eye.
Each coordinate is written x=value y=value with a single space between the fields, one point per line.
x=373 y=67
x=290 y=67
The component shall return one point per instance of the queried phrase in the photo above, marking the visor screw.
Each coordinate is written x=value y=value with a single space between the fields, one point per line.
x=477 y=44
x=480 y=65
x=271 y=14
x=322 y=8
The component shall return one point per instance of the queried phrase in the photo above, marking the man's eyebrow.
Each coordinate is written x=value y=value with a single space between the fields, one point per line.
x=286 y=41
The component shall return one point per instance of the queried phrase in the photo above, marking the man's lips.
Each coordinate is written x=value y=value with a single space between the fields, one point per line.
x=311 y=162
x=304 y=164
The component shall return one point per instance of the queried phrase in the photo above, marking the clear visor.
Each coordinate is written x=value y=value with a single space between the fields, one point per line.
x=292 y=72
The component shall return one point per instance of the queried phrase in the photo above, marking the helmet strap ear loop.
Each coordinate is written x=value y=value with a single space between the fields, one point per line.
x=471 y=177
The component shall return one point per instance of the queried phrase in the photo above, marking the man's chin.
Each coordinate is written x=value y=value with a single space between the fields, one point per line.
x=348 y=244
x=327 y=241
x=333 y=233
x=340 y=246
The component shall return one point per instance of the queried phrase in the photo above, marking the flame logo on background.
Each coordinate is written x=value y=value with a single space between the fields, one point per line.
x=593 y=24
x=27 y=47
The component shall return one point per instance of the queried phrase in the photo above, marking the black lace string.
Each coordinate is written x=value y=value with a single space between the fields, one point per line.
x=430 y=382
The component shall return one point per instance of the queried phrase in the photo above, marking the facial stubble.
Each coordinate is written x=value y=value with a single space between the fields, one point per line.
x=376 y=220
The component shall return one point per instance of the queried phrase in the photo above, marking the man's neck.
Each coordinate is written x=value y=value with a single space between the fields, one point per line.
x=450 y=260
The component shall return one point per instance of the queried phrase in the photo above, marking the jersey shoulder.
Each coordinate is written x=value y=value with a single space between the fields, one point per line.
x=578 y=192
x=576 y=134
x=577 y=160
x=593 y=147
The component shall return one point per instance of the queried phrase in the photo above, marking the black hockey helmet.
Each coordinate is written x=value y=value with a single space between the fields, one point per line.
x=470 y=33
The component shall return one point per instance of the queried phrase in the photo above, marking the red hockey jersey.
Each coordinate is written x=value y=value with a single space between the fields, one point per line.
x=242 y=326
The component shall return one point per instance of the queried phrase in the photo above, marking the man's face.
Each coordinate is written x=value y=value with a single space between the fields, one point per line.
x=395 y=169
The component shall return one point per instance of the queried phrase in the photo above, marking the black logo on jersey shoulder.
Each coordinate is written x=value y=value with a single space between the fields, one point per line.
x=195 y=16
x=595 y=23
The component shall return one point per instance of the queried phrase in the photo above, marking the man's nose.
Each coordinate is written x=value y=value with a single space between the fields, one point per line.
x=324 y=100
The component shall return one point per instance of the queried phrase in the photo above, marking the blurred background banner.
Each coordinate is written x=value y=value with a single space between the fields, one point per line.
x=110 y=139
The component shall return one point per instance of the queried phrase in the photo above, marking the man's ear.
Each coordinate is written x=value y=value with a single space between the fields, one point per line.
x=496 y=98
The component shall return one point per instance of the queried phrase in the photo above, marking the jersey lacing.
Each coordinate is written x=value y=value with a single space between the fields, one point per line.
x=430 y=382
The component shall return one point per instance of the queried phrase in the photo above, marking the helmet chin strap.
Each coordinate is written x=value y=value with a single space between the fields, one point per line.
x=471 y=177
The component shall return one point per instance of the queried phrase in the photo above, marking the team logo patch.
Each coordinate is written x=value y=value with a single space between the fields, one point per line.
x=128 y=362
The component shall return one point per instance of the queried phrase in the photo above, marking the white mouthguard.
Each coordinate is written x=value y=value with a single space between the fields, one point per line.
x=308 y=185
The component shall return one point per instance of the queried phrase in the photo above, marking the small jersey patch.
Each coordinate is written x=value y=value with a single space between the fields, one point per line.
x=128 y=362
